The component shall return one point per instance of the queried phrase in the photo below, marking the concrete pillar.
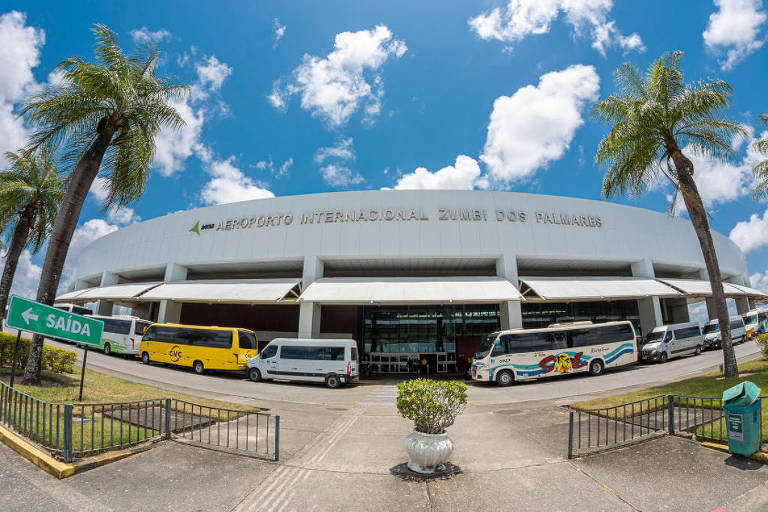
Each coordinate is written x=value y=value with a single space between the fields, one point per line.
x=649 y=308
x=511 y=312
x=309 y=312
x=711 y=310
x=742 y=304
x=103 y=307
x=170 y=311
x=81 y=284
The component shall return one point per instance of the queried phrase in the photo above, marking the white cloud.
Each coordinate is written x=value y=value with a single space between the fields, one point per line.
x=521 y=18
x=279 y=30
x=335 y=86
x=19 y=52
x=751 y=234
x=343 y=150
x=760 y=281
x=338 y=175
x=229 y=184
x=143 y=34
x=734 y=29
x=463 y=175
x=173 y=147
x=269 y=166
x=536 y=124
x=284 y=168
x=82 y=237
x=122 y=216
x=27 y=275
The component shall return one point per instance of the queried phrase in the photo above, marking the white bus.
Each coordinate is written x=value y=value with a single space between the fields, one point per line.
x=518 y=354
x=334 y=362
x=713 y=338
x=74 y=308
x=122 y=334
x=756 y=322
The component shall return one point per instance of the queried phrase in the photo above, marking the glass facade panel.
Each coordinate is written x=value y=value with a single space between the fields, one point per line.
x=536 y=315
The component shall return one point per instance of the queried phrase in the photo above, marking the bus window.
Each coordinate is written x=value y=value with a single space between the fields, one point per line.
x=116 y=326
x=528 y=342
x=246 y=340
x=140 y=328
x=209 y=338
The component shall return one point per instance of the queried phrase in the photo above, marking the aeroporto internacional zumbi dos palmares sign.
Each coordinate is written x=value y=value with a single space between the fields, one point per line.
x=400 y=215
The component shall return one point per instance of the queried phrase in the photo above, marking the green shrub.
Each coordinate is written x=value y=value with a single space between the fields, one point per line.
x=55 y=359
x=432 y=405
x=762 y=340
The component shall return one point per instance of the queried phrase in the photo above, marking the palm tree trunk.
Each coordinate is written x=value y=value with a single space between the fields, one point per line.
x=698 y=215
x=18 y=241
x=58 y=245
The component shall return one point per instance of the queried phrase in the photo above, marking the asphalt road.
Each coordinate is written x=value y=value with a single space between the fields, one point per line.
x=237 y=388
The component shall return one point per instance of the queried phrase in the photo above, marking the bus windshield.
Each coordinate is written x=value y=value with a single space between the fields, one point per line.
x=709 y=328
x=486 y=345
x=750 y=319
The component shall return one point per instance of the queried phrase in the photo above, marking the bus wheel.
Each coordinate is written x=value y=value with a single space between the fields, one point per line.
x=504 y=378
x=145 y=358
x=107 y=349
x=332 y=381
x=596 y=367
x=198 y=367
x=254 y=374
x=698 y=349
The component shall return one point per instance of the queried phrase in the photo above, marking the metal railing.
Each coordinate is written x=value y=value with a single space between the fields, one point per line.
x=606 y=427
x=250 y=433
x=594 y=430
x=70 y=431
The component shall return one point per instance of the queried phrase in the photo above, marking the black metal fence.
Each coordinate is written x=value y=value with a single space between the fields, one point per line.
x=71 y=431
x=595 y=430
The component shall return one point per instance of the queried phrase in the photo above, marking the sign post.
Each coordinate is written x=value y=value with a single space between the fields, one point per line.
x=31 y=316
x=15 y=356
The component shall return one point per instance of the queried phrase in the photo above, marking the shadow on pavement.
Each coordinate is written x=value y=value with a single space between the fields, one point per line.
x=739 y=462
x=403 y=473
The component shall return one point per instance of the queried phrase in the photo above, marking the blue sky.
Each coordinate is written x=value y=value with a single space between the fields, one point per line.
x=301 y=97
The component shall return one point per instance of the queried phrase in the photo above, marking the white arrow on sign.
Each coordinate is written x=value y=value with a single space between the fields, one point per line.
x=29 y=315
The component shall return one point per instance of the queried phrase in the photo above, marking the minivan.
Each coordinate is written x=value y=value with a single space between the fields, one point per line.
x=714 y=339
x=333 y=361
x=756 y=322
x=667 y=341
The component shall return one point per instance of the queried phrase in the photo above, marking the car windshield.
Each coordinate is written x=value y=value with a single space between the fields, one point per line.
x=709 y=328
x=654 y=336
x=486 y=345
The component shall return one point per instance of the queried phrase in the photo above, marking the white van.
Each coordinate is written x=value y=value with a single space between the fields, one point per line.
x=714 y=339
x=122 y=334
x=668 y=341
x=334 y=362
x=756 y=322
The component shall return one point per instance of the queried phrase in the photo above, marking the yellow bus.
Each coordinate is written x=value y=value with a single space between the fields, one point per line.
x=200 y=347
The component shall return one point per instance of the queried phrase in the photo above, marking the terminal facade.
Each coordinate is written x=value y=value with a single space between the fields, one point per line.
x=407 y=273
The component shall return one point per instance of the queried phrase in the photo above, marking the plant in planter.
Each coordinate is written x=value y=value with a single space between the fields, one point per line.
x=433 y=406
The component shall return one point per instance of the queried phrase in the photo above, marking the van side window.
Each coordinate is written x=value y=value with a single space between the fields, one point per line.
x=668 y=337
x=151 y=334
x=289 y=352
x=354 y=353
x=246 y=340
x=269 y=351
x=116 y=326
x=687 y=332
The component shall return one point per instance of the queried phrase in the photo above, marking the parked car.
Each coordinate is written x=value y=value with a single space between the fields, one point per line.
x=675 y=340
x=334 y=362
x=713 y=338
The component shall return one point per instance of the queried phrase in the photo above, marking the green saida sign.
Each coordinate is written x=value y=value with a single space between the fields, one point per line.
x=30 y=316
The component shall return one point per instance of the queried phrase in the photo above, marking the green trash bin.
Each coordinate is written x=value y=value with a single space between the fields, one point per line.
x=742 y=418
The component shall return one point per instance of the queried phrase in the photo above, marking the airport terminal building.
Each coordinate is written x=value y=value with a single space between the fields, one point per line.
x=406 y=272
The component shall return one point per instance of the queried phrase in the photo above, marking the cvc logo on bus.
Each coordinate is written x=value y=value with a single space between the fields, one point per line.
x=175 y=353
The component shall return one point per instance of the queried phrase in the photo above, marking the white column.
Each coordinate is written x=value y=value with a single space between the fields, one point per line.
x=81 y=284
x=170 y=311
x=711 y=310
x=742 y=304
x=309 y=312
x=511 y=313
x=103 y=307
x=649 y=308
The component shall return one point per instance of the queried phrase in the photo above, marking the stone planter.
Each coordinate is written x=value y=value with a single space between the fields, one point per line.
x=427 y=452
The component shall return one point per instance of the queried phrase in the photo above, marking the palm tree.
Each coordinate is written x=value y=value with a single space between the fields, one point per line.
x=654 y=119
x=761 y=169
x=30 y=193
x=107 y=114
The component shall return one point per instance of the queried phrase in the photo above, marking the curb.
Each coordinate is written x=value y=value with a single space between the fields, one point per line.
x=59 y=469
x=758 y=456
x=35 y=455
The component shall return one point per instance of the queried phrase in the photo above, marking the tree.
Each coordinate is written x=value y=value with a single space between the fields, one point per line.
x=655 y=118
x=107 y=114
x=761 y=169
x=30 y=193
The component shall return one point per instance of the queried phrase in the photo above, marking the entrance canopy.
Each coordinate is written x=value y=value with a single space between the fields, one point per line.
x=114 y=293
x=701 y=288
x=410 y=290
x=240 y=291
x=593 y=288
